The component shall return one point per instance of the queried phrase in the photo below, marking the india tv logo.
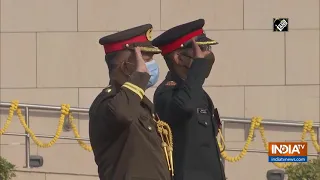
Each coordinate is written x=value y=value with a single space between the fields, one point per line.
x=288 y=152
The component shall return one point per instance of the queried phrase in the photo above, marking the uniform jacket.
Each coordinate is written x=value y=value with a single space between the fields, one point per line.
x=194 y=121
x=123 y=134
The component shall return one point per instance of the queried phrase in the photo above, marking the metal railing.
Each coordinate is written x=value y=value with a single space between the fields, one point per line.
x=28 y=107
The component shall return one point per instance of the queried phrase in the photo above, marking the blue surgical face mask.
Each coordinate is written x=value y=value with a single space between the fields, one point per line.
x=153 y=69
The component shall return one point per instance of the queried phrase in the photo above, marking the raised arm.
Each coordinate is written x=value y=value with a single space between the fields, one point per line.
x=178 y=104
x=122 y=106
x=189 y=89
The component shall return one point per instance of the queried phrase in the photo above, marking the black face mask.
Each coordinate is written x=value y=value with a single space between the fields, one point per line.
x=210 y=60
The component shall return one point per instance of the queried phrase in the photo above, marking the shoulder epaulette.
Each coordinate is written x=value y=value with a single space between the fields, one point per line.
x=171 y=83
x=109 y=90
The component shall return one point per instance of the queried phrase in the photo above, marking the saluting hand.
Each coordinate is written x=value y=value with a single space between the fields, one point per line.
x=141 y=65
x=197 y=52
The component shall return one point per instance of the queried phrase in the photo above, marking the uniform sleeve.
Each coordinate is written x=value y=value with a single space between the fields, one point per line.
x=188 y=90
x=122 y=106
x=176 y=105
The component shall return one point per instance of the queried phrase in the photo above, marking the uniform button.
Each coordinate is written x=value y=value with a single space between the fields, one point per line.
x=150 y=128
x=205 y=123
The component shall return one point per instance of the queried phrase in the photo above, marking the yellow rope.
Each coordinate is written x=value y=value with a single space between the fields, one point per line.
x=12 y=109
x=85 y=146
x=256 y=124
x=65 y=111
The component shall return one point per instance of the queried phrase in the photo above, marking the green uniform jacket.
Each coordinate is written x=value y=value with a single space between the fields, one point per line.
x=194 y=121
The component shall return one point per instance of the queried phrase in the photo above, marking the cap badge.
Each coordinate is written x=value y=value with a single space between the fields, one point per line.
x=149 y=35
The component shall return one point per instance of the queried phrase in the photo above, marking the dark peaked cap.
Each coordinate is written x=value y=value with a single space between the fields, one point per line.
x=139 y=36
x=181 y=35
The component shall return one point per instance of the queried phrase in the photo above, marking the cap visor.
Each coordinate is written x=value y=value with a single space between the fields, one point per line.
x=150 y=49
x=204 y=40
x=146 y=47
x=201 y=40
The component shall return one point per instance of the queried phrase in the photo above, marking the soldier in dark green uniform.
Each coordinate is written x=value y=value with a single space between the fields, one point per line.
x=128 y=140
x=181 y=101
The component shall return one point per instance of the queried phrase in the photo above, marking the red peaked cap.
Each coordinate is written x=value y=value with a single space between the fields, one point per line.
x=176 y=37
x=122 y=40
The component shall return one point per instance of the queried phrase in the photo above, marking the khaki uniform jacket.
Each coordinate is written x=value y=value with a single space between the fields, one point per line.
x=123 y=133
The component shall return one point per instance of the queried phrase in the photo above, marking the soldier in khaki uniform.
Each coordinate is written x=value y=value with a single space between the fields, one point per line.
x=128 y=140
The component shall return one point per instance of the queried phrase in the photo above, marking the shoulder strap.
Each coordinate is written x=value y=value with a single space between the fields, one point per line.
x=105 y=94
